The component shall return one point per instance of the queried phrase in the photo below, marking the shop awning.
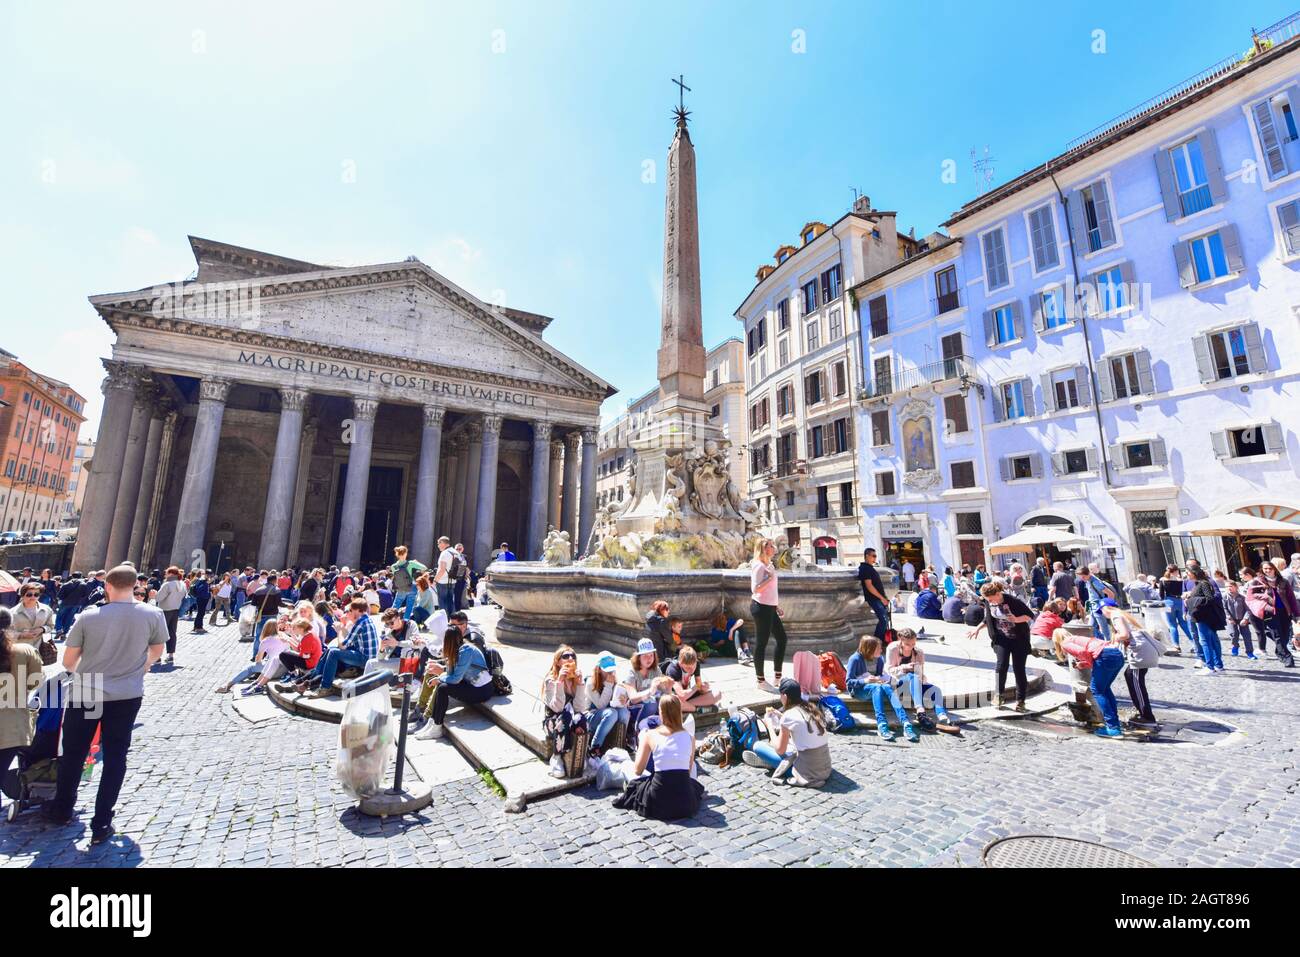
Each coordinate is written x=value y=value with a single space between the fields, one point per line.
x=825 y=542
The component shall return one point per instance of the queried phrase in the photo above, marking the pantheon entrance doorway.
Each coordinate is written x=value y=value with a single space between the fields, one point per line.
x=383 y=513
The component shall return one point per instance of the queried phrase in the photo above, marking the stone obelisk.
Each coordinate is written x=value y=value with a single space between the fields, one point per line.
x=681 y=346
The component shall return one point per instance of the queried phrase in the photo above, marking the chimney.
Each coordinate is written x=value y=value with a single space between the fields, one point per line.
x=862 y=204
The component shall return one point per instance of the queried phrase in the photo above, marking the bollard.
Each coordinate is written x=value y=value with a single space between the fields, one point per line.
x=397 y=799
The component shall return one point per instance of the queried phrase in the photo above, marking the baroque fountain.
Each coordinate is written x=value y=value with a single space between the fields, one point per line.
x=684 y=532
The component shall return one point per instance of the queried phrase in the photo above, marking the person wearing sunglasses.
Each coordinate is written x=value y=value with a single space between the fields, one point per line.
x=566 y=700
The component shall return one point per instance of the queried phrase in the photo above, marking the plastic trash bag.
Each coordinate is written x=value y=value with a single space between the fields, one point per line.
x=247 y=619
x=614 y=770
x=366 y=743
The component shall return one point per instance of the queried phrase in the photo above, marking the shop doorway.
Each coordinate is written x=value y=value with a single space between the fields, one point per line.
x=826 y=550
x=1152 y=552
x=900 y=551
x=971 y=551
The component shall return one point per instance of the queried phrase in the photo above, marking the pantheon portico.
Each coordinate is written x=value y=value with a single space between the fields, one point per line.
x=274 y=412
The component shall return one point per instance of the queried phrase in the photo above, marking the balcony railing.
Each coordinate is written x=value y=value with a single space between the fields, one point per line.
x=956 y=367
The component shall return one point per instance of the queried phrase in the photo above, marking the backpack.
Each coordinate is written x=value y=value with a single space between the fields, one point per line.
x=808 y=672
x=402 y=580
x=833 y=673
x=457 y=568
x=744 y=729
x=836 y=713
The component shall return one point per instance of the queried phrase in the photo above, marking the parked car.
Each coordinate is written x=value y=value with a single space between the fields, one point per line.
x=13 y=537
x=46 y=535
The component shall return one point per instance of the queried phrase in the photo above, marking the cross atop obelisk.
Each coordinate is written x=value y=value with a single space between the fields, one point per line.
x=681 y=349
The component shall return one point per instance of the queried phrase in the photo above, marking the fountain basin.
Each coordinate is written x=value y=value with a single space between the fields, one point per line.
x=548 y=605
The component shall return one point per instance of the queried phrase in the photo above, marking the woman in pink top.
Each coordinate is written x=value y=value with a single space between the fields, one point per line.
x=767 y=613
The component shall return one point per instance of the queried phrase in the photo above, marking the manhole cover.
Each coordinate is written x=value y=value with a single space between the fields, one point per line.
x=1203 y=732
x=1041 y=850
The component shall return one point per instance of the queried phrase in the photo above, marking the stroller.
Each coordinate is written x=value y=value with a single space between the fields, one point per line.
x=33 y=781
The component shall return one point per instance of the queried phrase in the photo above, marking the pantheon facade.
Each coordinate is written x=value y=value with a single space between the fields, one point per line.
x=277 y=413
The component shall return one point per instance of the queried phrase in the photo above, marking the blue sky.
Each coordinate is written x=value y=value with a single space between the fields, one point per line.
x=504 y=143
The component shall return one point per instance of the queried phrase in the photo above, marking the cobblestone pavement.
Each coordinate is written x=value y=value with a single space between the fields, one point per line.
x=206 y=787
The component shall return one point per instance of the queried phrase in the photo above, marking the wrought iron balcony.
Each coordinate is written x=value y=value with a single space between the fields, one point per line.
x=945 y=370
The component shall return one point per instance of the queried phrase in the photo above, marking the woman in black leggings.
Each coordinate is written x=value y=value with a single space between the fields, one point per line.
x=766 y=611
x=1007 y=619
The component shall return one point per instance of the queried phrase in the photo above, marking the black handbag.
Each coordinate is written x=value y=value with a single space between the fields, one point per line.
x=48 y=651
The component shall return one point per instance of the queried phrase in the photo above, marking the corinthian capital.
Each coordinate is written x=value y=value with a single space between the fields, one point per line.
x=542 y=432
x=293 y=400
x=121 y=375
x=433 y=415
x=588 y=436
x=492 y=424
x=571 y=441
x=213 y=389
x=365 y=409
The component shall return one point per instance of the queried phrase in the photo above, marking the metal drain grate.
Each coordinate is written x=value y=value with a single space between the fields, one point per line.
x=1041 y=850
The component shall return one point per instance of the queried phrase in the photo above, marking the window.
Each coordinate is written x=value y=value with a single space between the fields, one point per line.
x=1098 y=229
x=1042 y=239
x=757 y=337
x=880 y=429
x=945 y=289
x=1015 y=467
x=846 y=499
x=1049 y=308
x=831 y=287
x=840 y=379
x=884 y=483
x=1276 y=125
x=1004 y=324
x=1137 y=455
x=884 y=376
x=810 y=297
x=1263 y=439
x=813 y=332
x=715 y=411
x=783 y=315
x=785 y=401
x=783 y=352
x=759 y=458
x=954 y=414
x=1288 y=216
x=809 y=235
x=1191 y=181
x=1016 y=400
x=1229 y=353
x=953 y=349
x=785 y=449
x=1066 y=389
x=879 y=312
x=1074 y=461
x=1129 y=375
x=1110 y=290
x=840 y=432
x=963 y=474
x=1208 y=257
x=823 y=501
x=789 y=499
x=836 y=323
x=816 y=442
x=995 y=259
x=812 y=388
x=758 y=415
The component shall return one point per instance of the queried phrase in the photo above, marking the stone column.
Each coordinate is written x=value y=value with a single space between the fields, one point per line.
x=148 y=479
x=196 y=493
x=553 y=494
x=305 y=447
x=128 y=489
x=456 y=512
x=587 y=499
x=569 y=493
x=426 y=485
x=149 y=550
x=272 y=549
x=540 y=493
x=357 y=484
x=474 y=456
x=447 y=466
x=485 y=509
x=106 y=466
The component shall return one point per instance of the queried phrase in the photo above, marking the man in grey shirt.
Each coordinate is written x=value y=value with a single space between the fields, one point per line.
x=110 y=648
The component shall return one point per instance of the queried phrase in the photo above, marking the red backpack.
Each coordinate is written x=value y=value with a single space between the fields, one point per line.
x=833 y=673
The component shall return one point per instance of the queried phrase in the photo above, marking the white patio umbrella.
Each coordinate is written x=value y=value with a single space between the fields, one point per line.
x=1029 y=538
x=1234 y=525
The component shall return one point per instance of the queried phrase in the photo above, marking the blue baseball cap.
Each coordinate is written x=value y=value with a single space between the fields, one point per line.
x=606 y=662
x=1109 y=603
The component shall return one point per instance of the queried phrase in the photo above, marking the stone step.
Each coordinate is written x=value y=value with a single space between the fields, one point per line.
x=486 y=744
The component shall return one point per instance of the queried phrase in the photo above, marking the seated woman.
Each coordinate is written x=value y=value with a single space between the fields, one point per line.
x=867 y=681
x=689 y=685
x=671 y=792
x=954 y=609
x=304 y=651
x=644 y=683
x=728 y=633
x=808 y=765
x=658 y=630
x=396 y=630
x=424 y=602
x=1045 y=624
x=928 y=605
x=1074 y=610
x=271 y=644
x=607 y=700
x=463 y=675
x=565 y=698
x=905 y=663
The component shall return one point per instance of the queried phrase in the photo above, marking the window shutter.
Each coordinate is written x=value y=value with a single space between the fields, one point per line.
x=1159 y=456
x=1146 y=381
x=1288 y=216
x=1101 y=202
x=999 y=413
x=1058 y=463
x=1273 y=440
x=1018 y=318
x=990 y=330
x=1254 y=348
x=1028 y=390
x=1168 y=186
x=1274 y=162
x=1204 y=358
x=1183 y=260
x=1049 y=394
x=1036 y=306
x=1004 y=468
x=1105 y=387
x=1078 y=224
x=1213 y=165
x=1116 y=455
x=1090 y=458
x=1036 y=465
x=1232 y=247
x=1129 y=278
x=1220 y=443
x=1081 y=383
